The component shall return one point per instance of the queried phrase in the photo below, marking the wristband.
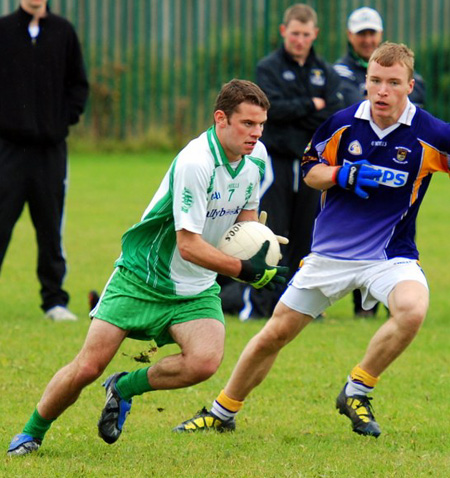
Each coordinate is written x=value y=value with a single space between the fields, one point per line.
x=335 y=173
x=265 y=279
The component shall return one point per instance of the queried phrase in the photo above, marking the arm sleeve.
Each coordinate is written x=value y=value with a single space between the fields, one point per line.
x=310 y=158
x=348 y=87
x=418 y=95
x=350 y=92
x=323 y=148
x=253 y=201
x=190 y=185
x=77 y=87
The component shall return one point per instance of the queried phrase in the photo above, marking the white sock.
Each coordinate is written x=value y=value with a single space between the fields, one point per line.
x=221 y=412
x=355 y=388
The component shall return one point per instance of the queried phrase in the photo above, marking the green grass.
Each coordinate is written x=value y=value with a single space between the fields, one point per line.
x=288 y=428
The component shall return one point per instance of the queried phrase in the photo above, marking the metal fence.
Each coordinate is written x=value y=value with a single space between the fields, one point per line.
x=158 y=64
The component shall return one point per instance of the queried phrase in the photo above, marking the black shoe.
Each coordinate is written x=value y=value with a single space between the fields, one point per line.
x=205 y=420
x=359 y=410
x=115 y=411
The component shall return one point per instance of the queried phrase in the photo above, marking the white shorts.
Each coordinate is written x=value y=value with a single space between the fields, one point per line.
x=321 y=281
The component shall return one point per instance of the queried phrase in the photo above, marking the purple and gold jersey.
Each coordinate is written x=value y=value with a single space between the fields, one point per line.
x=408 y=153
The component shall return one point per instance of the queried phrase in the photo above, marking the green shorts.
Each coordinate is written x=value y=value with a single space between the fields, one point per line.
x=130 y=304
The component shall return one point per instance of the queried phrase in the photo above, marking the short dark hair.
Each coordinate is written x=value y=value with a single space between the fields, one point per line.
x=301 y=12
x=236 y=92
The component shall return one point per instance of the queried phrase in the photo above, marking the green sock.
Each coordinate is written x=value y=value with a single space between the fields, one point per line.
x=37 y=426
x=133 y=383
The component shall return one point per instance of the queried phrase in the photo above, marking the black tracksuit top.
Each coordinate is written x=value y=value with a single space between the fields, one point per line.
x=43 y=84
x=292 y=117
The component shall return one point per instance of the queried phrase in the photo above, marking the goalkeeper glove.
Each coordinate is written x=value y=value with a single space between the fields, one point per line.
x=356 y=176
x=259 y=274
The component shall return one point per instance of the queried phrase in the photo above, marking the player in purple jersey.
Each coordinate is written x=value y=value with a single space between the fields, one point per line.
x=365 y=34
x=373 y=162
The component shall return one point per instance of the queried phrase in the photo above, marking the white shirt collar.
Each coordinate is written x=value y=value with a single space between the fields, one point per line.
x=363 y=112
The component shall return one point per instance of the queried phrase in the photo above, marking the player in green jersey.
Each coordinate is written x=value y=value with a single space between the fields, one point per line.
x=163 y=287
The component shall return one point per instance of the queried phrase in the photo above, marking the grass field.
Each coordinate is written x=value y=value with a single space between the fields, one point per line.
x=288 y=428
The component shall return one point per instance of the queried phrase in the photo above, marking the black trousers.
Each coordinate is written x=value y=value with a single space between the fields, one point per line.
x=36 y=175
x=291 y=207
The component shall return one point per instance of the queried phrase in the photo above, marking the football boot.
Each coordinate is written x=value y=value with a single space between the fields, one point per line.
x=23 y=444
x=359 y=409
x=205 y=420
x=115 y=411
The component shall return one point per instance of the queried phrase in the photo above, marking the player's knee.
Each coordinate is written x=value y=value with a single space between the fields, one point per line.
x=270 y=340
x=263 y=344
x=409 y=305
x=202 y=368
x=413 y=320
x=410 y=316
x=204 y=371
x=88 y=372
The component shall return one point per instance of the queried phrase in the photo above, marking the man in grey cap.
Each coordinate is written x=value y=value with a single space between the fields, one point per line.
x=365 y=34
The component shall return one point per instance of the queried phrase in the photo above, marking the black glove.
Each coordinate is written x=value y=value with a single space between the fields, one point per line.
x=259 y=274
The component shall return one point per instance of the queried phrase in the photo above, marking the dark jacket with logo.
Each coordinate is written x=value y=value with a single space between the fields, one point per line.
x=43 y=85
x=353 y=69
x=292 y=117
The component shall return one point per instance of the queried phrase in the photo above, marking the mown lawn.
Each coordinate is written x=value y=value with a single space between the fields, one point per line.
x=289 y=426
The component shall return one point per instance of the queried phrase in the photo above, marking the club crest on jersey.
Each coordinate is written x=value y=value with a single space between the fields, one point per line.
x=355 y=148
x=317 y=77
x=401 y=154
x=288 y=75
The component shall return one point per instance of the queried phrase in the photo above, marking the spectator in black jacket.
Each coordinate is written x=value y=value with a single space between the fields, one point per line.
x=303 y=92
x=43 y=90
x=365 y=34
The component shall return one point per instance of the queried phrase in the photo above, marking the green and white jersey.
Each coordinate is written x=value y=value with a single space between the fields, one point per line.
x=201 y=193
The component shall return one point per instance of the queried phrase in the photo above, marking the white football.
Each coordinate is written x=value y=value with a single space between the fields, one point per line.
x=244 y=239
